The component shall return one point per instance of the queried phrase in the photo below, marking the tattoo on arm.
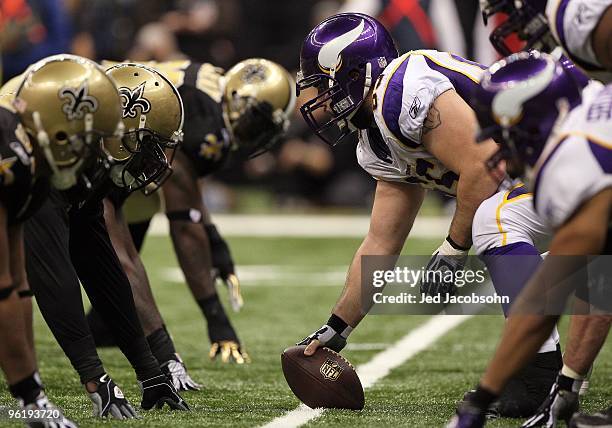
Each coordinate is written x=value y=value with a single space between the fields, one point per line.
x=432 y=121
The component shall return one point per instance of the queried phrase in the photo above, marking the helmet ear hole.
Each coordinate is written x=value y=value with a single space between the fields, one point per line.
x=61 y=136
x=354 y=75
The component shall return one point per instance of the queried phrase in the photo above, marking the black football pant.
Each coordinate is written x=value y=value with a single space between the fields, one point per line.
x=62 y=247
x=101 y=334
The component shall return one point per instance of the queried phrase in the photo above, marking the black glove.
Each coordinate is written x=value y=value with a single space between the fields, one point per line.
x=108 y=400
x=447 y=258
x=332 y=335
x=158 y=391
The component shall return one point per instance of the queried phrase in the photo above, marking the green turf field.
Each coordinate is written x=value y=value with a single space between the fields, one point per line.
x=289 y=288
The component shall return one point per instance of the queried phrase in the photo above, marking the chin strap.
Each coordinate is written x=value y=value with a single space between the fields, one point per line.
x=368 y=79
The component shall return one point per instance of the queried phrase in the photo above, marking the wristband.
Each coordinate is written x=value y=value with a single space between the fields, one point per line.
x=341 y=327
x=455 y=245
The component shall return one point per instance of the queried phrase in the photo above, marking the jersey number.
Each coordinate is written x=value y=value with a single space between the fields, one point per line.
x=421 y=175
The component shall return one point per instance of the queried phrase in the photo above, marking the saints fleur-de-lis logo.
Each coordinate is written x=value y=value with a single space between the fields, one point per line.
x=78 y=101
x=254 y=73
x=132 y=101
x=212 y=148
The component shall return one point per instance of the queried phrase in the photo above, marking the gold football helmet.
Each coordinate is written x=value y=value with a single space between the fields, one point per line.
x=8 y=92
x=66 y=104
x=153 y=117
x=258 y=99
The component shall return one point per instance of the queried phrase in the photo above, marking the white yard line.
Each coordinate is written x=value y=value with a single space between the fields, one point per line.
x=305 y=226
x=381 y=365
x=274 y=275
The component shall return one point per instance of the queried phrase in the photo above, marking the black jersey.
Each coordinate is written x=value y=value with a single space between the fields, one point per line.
x=206 y=140
x=21 y=191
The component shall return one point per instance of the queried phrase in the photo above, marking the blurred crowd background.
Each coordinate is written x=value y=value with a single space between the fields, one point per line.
x=304 y=172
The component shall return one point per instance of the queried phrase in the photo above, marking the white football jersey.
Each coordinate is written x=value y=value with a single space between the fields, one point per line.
x=576 y=162
x=403 y=96
x=572 y=23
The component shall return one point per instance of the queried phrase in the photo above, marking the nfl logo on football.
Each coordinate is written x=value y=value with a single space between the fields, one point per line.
x=331 y=370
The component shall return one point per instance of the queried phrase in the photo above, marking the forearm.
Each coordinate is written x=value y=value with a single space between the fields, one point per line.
x=194 y=256
x=357 y=299
x=474 y=186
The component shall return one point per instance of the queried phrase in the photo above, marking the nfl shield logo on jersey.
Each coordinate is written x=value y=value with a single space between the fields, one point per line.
x=331 y=370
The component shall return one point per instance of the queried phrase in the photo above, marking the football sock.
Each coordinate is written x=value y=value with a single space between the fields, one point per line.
x=219 y=326
x=161 y=345
x=28 y=389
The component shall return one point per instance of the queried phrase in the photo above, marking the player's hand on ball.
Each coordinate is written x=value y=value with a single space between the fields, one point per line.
x=325 y=336
x=108 y=400
x=441 y=270
x=228 y=351
x=159 y=390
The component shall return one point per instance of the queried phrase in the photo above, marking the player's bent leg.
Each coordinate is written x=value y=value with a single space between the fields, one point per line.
x=58 y=295
x=504 y=230
x=109 y=291
x=16 y=358
x=148 y=313
x=56 y=286
x=157 y=336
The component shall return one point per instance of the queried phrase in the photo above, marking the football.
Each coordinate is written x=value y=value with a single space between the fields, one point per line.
x=325 y=379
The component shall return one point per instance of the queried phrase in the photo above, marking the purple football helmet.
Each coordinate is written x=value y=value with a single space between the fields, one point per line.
x=341 y=58
x=526 y=19
x=518 y=103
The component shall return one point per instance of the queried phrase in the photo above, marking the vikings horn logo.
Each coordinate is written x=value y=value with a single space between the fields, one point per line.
x=507 y=105
x=78 y=102
x=132 y=100
x=329 y=55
